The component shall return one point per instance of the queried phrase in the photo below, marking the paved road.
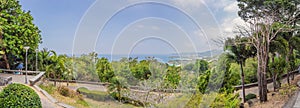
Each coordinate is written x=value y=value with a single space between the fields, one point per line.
x=46 y=103
x=254 y=90
x=17 y=78
x=297 y=102
x=88 y=86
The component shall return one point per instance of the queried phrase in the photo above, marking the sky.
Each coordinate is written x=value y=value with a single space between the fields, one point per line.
x=132 y=26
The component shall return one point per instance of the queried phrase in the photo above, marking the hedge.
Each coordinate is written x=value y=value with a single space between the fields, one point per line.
x=250 y=96
x=19 y=96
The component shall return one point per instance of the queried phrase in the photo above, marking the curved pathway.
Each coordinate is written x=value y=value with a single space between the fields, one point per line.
x=46 y=103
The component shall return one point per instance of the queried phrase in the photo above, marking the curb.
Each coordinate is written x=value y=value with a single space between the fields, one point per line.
x=64 y=105
x=53 y=100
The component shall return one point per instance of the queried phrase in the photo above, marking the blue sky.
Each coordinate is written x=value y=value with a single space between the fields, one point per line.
x=132 y=26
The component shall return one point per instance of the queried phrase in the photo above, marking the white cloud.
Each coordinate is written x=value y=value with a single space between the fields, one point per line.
x=140 y=26
x=218 y=4
x=198 y=33
x=230 y=24
x=188 y=3
x=154 y=27
x=231 y=8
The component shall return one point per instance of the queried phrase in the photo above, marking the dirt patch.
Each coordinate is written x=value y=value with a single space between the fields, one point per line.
x=277 y=99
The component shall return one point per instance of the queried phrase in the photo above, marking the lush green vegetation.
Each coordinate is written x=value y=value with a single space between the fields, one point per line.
x=48 y=88
x=65 y=95
x=19 y=95
x=269 y=46
x=16 y=31
x=274 y=32
x=198 y=100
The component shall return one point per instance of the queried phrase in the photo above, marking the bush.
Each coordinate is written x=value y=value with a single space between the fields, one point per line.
x=221 y=100
x=226 y=100
x=19 y=96
x=287 y=89
x=250 y=96
x=65 y=91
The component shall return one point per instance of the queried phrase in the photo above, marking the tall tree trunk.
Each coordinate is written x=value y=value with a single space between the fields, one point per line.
x=4 y=55
x=288 y=69
x=54 y=80
x=287 y=73
x=262 y=57
x=273 y=75
x=243 y=81
x=290 y=54
x=6 y=61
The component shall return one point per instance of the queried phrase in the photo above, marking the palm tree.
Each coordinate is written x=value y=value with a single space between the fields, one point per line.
x=240 y=51
x=44 y=57
x=116 y=87
x=57 y=67
x=277 y=48
x=68 y=73
x=293 y=43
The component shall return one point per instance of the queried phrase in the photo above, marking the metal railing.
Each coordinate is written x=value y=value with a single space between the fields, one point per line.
x=21 y=71
x=270 y=80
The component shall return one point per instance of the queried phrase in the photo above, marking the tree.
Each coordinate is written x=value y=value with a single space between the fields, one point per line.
x=293 y=40
x=277 y=66
x=240 y=51
x=172 y=77
x=104 y=70
x=68 y=73
x=249 y=70
x=44 y=57
x=140 y=70
x=17 y=30
x=203 y=80
x=221 y=76
x=116 y=87
x=278 y=47
x=200 y=66
x=57 y=67
x=266 y=18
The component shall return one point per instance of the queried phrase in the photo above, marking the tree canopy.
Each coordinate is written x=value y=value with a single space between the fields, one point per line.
x=17 y=31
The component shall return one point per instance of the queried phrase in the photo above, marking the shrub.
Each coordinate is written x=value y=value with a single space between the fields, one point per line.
x=221 y=100
x=50 y=88
x=287 y=89
x=226 y=100
x=19 y=96
x=65 y=91
x=81 y=89
x=250 y=96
